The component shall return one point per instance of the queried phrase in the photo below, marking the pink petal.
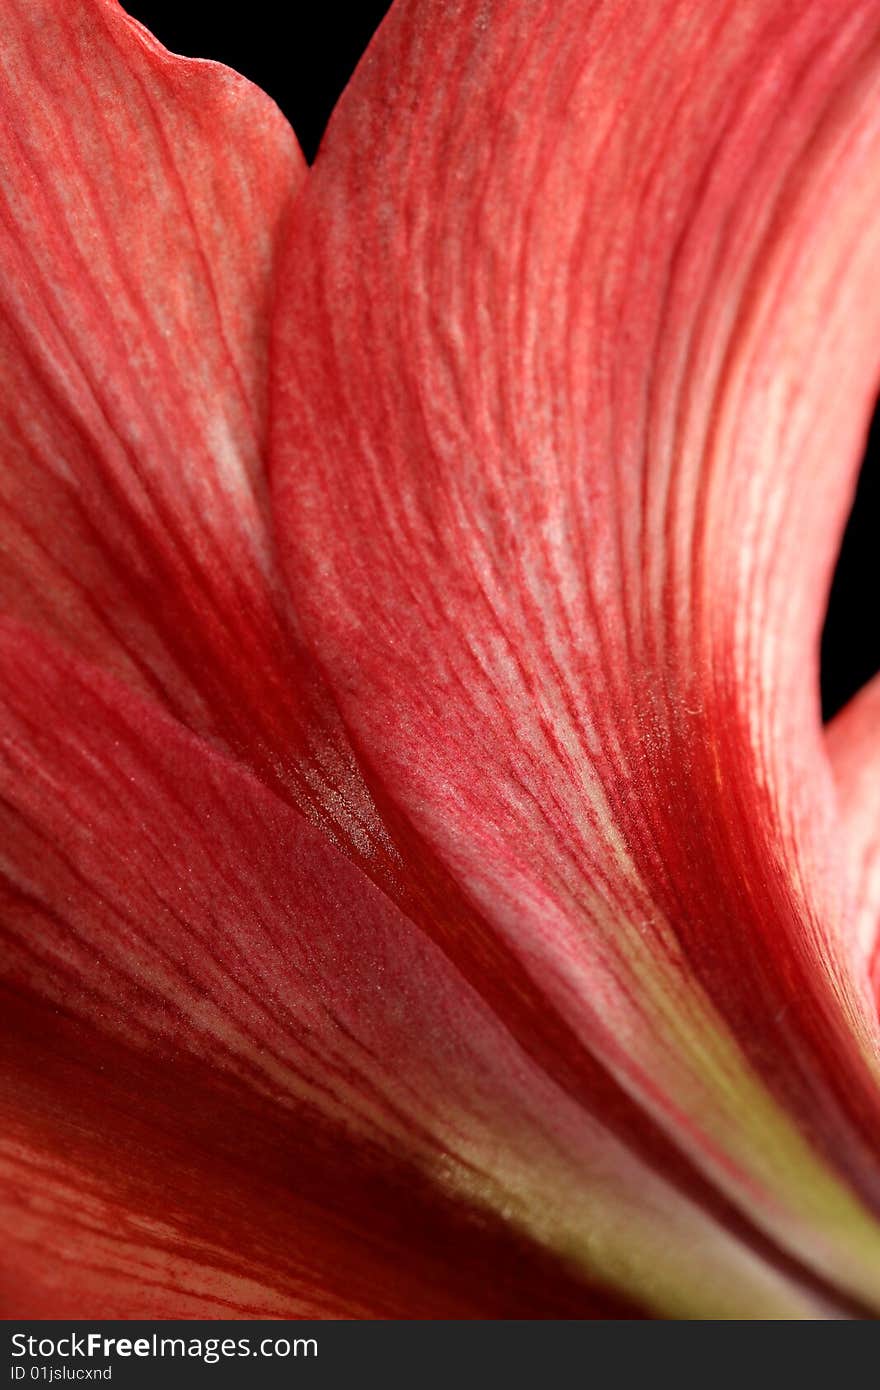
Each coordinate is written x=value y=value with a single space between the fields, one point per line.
x=143 y=200
x=578 y=341
x=242 y=1080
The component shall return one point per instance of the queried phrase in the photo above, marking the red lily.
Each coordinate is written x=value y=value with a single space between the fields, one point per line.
x=428 y=888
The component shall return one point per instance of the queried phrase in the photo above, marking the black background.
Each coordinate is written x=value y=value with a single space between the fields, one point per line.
x=301 y=52
x=302 y=55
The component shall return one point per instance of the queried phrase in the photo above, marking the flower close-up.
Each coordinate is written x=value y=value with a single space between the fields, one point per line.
x=429 y=890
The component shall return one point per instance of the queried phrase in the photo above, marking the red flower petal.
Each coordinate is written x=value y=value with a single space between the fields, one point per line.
x=243 y=1080
x=601 y=768
x=130 y=1189
x=578 y=341
x=143 y=201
